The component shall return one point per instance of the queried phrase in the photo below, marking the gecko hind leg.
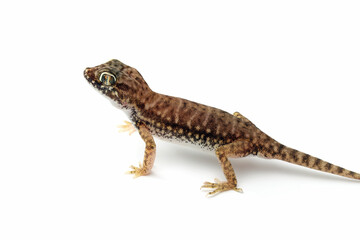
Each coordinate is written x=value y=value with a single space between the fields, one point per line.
x=127 y=127
x=240 y=116
x=234 y=149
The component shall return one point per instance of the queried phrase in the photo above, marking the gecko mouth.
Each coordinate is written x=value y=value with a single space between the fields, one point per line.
x=89 y=74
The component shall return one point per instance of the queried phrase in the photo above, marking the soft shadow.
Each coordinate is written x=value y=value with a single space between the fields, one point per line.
x=194 y=159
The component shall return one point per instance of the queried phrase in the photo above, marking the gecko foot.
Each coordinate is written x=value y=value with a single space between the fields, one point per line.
x=219 y=187
x=127 y=127
x=137 y=171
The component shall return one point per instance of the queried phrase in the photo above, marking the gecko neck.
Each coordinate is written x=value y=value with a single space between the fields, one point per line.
x=132 y=94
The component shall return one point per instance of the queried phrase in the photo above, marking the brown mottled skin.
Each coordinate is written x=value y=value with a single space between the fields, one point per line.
x=181 y=120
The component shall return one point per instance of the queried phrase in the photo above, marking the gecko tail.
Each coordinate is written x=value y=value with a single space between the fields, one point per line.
x=278 y=151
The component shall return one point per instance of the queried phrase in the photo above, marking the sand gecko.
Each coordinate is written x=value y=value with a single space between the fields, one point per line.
x=180 y=120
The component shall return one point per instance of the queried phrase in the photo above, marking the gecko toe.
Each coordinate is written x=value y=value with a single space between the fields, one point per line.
x=137 y=171
x=126 y=127
x=218 y=187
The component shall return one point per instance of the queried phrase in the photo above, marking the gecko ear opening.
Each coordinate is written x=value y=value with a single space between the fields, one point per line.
x=107 y=78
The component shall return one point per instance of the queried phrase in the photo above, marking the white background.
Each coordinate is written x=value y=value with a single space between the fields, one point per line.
x=292 y=67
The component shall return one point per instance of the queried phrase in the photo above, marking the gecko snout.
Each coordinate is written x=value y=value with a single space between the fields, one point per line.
x=88 y=74
x=86 y=71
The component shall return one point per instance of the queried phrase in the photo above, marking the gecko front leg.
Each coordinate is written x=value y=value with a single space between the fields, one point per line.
x=149 y=155
x=234 y=149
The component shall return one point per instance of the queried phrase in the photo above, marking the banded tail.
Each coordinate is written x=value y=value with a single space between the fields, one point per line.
x=278 y=151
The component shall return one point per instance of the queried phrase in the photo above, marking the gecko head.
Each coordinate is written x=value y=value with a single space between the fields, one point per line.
x=118 y=82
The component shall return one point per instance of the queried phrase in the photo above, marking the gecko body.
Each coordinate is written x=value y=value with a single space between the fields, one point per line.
x=180 y=120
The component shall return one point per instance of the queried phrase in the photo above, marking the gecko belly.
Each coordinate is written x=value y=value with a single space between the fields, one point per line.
x=184 y=137
x=185 y=142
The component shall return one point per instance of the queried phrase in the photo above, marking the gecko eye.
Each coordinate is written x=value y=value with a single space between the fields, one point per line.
x=107 y=78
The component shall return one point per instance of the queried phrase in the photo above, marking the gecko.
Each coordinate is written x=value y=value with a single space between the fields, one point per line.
x=179 y=120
